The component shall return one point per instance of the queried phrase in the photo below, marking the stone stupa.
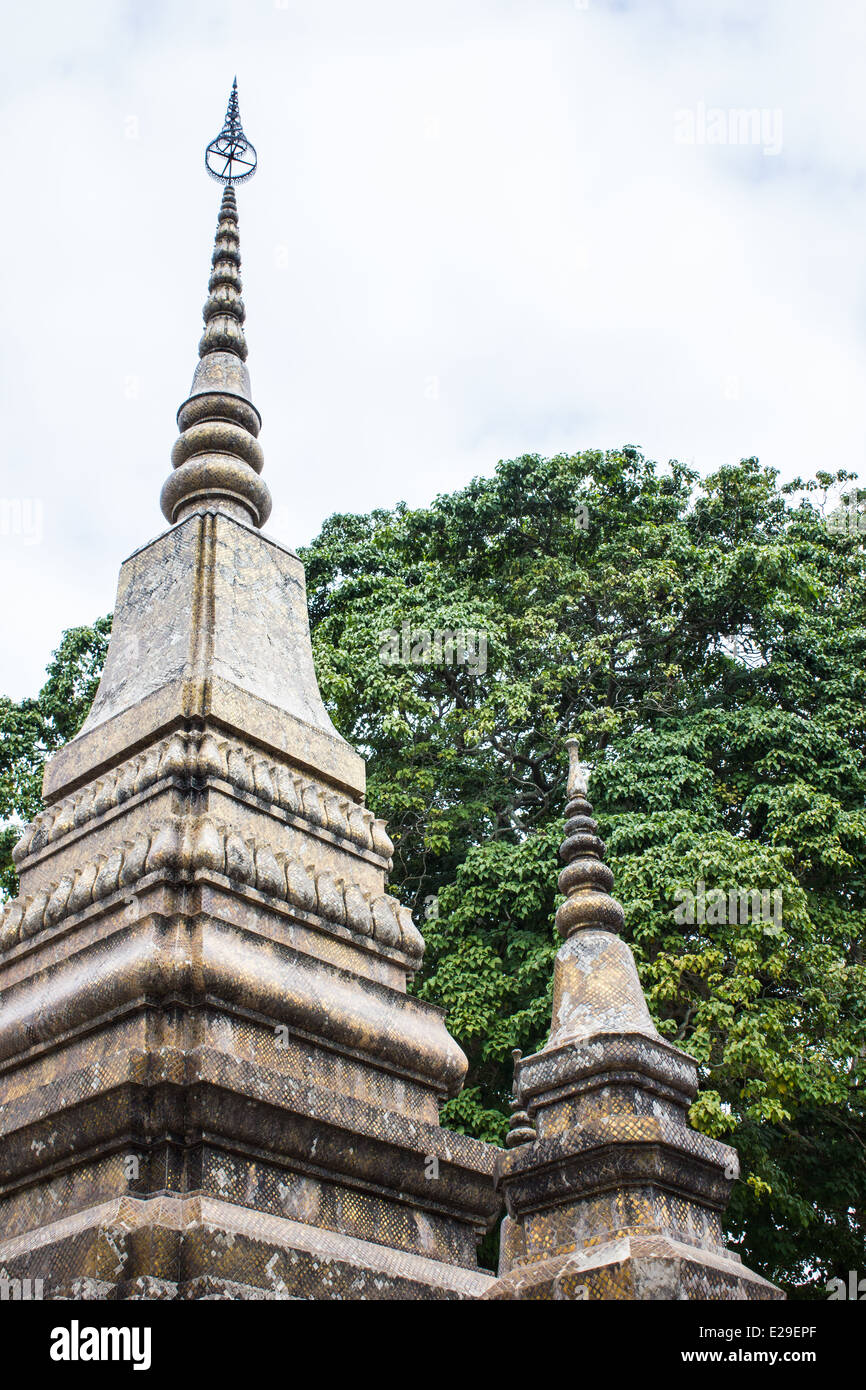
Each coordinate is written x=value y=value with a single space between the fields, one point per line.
x=610 y=1193
x=213 y=1081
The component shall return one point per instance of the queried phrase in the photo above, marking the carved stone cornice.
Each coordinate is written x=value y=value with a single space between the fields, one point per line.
x=201 y=759
x=179 y=847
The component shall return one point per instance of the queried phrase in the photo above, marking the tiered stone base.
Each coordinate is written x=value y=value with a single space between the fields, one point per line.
x=638 y=1267
x=201 y=1248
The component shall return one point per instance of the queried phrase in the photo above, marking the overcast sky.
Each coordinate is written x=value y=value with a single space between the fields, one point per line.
x=479 y=228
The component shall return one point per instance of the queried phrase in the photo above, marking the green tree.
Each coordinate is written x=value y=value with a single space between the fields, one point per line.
x=30 y=731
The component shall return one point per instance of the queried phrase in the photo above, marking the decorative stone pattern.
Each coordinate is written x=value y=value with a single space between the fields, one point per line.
x=184 y=847
x=203 y=757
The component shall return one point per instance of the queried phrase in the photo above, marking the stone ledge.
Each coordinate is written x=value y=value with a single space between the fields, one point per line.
x=652 y=1267
x=325 y=1264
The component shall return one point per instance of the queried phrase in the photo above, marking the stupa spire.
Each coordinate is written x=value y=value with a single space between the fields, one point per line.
x=608 y=995
x=217 y=459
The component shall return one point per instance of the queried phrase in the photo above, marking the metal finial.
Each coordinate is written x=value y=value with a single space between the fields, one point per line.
x=231 y=158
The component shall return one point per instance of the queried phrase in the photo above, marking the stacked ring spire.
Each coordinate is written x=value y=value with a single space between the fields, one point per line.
x=217 y=458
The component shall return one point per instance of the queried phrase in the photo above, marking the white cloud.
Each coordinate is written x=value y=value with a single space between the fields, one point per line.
x=472 y=234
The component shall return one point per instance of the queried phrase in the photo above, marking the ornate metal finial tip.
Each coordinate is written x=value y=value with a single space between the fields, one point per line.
x=230 y=158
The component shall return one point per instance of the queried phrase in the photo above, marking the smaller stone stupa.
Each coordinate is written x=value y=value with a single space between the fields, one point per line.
x=610 y=1193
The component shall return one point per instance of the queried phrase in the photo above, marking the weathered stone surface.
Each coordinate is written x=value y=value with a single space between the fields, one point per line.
x=210 y=624
x=632 y=1267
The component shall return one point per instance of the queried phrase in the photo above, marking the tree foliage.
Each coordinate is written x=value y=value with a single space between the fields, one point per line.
x=32 y=730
